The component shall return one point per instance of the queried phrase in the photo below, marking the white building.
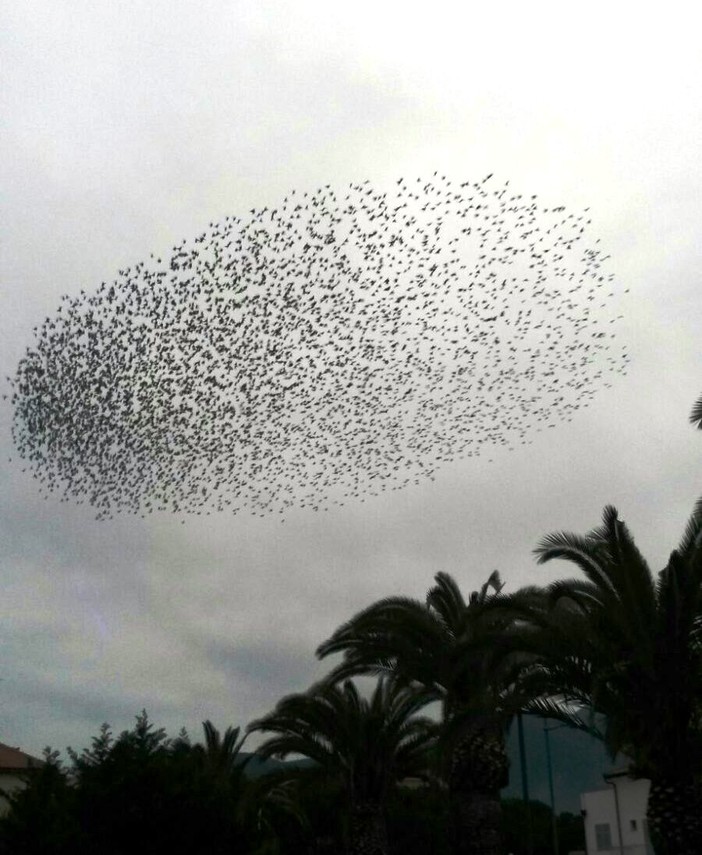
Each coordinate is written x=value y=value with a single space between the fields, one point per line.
x=615 y=816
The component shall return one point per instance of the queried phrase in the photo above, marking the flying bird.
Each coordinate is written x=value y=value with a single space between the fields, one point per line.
x=333 y=346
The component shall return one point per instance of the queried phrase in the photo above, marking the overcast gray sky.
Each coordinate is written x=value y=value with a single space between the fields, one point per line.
x=131 y=125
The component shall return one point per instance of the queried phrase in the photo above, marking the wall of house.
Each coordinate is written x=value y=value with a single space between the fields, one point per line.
x=601 y=826
x=9 y=781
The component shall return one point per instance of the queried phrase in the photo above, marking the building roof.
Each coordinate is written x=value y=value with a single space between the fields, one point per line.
x=12 y=759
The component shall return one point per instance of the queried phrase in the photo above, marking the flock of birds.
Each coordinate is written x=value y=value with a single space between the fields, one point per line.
x=334 y=346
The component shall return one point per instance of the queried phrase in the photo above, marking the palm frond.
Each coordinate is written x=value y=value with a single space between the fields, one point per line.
x=563 y=711
x=361 y=742
x=623 y=587
x=380 y=620
x=494 y=583
x=624 y=644
x=692 y=536
x=446 y=599
x=586 y=552
x=581 y=594
x=277 y=794
x=696 y=414
x=392 y=634
x=629 y=573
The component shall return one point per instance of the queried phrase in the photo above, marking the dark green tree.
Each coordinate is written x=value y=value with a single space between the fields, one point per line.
x=124 y=789
x=139 y=792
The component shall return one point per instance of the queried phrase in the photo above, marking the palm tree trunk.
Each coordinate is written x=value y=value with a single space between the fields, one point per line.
x=475 y=823
x=479 y=769
x=674 y=816
x=368 y=833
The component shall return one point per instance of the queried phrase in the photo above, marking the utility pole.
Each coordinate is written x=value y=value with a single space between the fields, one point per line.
x=554 y=818
x=525 y=784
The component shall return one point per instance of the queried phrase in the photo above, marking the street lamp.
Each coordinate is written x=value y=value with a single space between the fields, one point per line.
x=549 y=766
x=525 y=784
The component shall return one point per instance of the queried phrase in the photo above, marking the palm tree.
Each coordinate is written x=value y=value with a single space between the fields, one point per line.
x=363 y=745
x=217 y=790
x=273 y=807
x=628 y=647
x=696 y=414
x=221 y=755
x=441 y=645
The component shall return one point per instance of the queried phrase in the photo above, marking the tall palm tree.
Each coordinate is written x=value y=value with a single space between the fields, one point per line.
x=628 y=647
x=696 y=414
x=365 y=745
x=441 y=645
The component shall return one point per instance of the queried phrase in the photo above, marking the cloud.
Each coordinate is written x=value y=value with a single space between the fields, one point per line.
x=128 y=132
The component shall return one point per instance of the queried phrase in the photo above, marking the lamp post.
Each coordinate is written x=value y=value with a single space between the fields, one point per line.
x=549 y=766
x=612 y=779
x=525 y=784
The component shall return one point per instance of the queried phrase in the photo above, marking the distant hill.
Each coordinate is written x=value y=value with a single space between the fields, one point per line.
x=257 y=767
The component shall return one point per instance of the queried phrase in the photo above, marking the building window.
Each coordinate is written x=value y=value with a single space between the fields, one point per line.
x=603 y=836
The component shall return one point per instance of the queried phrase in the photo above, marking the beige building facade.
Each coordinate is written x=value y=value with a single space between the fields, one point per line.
x=615 y=817
x=15 y=766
